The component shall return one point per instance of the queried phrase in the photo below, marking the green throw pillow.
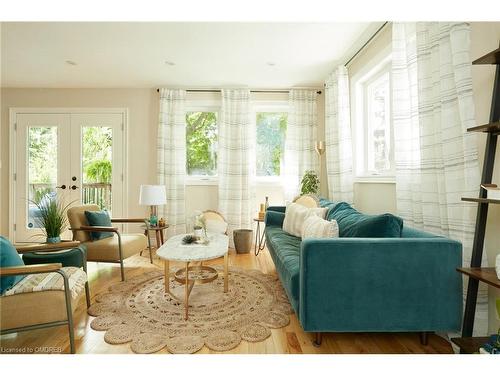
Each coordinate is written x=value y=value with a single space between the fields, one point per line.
x=9 y=258
x=99 y=219
x=353 y=223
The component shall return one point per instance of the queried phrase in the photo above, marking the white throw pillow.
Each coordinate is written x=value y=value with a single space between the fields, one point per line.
x=216 y=226
x=316 y=227
x=296 y=215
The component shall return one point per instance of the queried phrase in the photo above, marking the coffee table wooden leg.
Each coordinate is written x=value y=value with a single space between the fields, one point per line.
x=186 y=293
x=167 y=276
x=226 y=273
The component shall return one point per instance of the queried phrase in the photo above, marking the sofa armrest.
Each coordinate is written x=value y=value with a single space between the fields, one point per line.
x=274 y=218
x=30 y=269
x=364 y=284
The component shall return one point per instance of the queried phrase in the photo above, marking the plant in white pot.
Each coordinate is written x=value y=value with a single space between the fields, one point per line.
x=52 y=217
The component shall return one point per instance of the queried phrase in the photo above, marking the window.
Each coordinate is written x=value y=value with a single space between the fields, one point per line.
x=374 y=145
x=271 y=130
x=201 y=143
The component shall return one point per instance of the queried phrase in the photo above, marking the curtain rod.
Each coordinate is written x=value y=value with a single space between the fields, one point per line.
x=367 y=42
x=254 y=91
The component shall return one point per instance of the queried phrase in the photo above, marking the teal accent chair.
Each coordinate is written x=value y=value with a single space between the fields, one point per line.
x=407 y=283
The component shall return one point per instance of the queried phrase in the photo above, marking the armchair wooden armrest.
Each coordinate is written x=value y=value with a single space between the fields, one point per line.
x=88 y=228
x=46 y=247
x=133 y=220
x=26 y=270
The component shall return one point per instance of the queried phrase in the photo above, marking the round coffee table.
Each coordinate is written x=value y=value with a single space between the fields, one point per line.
x=175 y=250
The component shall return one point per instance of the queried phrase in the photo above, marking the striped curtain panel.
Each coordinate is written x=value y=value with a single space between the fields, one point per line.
x=301 y=133
x=171 y=154
x=236 y=160
x=436 y=159
x=338 y=136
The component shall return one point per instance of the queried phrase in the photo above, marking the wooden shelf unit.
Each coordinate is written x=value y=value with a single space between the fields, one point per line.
x=475 y=273
x=482 y=200
x=493 y=127
x=489 y=59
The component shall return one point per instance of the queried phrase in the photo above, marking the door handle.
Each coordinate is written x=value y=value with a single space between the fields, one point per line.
x=74 y=187
x=73 y=178
x=61 y=187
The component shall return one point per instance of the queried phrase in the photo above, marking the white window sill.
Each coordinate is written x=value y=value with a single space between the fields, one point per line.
x=201 y=181
x=375 y=180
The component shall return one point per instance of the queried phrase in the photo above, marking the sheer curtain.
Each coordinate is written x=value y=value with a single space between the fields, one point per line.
x=171 y=158
x=236 y=160
x=436 y=159
x=301 y=133
x=338 y=136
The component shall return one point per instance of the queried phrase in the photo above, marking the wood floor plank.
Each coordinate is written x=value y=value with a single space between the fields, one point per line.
x=291 y=339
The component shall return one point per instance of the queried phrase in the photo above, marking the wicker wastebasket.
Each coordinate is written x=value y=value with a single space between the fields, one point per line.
x=243 y=240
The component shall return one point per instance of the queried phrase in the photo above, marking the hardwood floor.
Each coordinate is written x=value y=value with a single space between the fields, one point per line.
x=291 y=339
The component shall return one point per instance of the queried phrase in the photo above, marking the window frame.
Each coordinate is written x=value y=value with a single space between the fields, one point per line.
x=378 y=66
x=269 y=106
x=202 y=106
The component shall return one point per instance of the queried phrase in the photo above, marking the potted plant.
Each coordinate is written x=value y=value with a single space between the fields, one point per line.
x=309 y=183
x=52 y=217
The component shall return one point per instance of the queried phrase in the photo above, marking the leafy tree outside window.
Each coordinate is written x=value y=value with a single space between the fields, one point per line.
x=271 y=131
x=201 y=143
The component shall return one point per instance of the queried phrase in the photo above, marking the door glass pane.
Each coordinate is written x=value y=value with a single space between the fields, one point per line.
x=42 y=169
x=271 y=130
x=97 y=143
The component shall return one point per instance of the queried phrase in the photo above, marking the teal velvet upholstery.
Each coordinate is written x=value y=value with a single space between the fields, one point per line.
x=353 y=223
x=98 y=219
x=350 y=284
x=9 y=258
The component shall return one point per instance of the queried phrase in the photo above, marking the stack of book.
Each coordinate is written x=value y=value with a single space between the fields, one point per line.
x=492 y=191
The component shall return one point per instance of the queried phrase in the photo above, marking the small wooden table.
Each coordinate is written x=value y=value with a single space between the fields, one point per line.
x=260 y=239
x=160 y=239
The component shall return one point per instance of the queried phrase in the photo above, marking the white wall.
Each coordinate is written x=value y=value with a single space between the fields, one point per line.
x=143 y=107
x=377 y=198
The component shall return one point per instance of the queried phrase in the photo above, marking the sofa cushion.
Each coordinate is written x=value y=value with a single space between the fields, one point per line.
x=353 y=223
x=296 y=214
x=9 y=258
x=107 y=248
x=286 y=258
x=316 y=227
x=99 y=219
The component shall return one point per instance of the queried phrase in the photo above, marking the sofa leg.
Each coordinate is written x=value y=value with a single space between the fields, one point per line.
x=424 y=338
x=317 y=340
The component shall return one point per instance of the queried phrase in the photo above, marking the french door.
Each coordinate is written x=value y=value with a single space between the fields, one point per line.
x=76 y=157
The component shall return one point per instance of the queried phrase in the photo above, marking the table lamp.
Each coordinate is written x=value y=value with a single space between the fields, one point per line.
x=153 y=196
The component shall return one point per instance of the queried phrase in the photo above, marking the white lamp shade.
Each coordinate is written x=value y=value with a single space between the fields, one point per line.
x=152 y=195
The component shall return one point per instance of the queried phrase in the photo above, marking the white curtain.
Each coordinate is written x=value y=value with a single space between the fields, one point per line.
x=236 y=160
x=171 y=154
x=301 y=134
x=436 y=159
x=338 y=136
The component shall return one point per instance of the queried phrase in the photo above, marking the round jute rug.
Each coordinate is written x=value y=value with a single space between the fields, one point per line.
x=139 y=312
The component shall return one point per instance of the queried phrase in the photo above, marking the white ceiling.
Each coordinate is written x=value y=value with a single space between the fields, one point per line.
x=205 y=54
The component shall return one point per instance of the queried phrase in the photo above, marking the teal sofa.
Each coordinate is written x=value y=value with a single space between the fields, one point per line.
x=404 y=283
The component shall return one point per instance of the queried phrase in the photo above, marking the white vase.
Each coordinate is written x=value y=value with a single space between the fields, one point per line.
x=497 y=266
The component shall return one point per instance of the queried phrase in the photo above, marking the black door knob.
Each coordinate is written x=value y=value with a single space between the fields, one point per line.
x=73 y=178
x=61 y=187
x=74 y=187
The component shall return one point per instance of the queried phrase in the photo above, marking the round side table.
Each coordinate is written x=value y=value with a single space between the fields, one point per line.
x=260 y=239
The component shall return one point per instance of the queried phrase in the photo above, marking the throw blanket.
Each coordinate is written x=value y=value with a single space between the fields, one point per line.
x=51 y=281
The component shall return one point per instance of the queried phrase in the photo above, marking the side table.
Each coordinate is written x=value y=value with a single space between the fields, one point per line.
x=260 y=239
x=159 y=234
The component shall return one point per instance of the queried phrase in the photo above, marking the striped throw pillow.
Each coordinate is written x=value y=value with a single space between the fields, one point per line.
x=316 y=227
x=296 y=215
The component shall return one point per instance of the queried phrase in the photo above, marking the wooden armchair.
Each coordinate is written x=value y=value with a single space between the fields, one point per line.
x=29 y=308
x=111 y=249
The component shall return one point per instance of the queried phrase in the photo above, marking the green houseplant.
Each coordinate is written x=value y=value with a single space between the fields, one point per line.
x=52 y=217
x=309 y=183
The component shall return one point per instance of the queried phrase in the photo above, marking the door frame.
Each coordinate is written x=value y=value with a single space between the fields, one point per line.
x=14 y=111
